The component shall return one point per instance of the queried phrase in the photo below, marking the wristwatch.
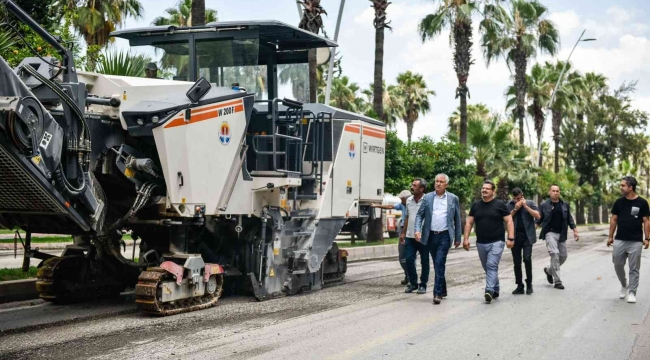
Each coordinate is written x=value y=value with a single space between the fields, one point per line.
x=511 y=239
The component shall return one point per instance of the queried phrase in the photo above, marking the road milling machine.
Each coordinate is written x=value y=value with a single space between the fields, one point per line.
x=226 y=185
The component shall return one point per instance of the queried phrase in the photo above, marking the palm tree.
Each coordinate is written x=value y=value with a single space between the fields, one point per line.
x=478 y=111
x=416 y=98
x=313 y=22
x=539 y=90
x=392 y=103
x=7 y=39
x=298 y=77
x=181 y=15
x=123 y=63
x=495 y=152
x=517 y=33
x=566 y=101
x=198 y=12
x=380 y=24
x=95 y=19
x=344 y=95
x=456 y=15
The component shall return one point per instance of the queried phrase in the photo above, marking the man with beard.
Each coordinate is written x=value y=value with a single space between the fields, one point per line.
x=438 y=225
x=401 y=206
x=415 y=245
x=630 y=214
x=524 y=212
x=555 y=218
x=489 y=214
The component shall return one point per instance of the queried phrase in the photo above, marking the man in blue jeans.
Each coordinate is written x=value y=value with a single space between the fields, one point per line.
x=413 y=245
x=489 y=214
x=436 y=223
x=401 y=247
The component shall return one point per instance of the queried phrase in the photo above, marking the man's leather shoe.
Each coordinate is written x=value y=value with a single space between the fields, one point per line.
x=495 y=295
x=559 y=286
x=437 y=300
x=405 y=281
x=549 y=277
x=519 y=290
x=529 y=289
x=422 y=289
x=409 y=289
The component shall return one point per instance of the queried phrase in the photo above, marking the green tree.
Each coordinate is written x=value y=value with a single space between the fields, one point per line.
x=312 y=21
x=517 y=32
x=415 y=95
x=478 y=111
x=181 y=15
x=392 y=103
x=95 y=19
x=457 y=16
x=345 y=95
x=380 y=24
x=123 y=63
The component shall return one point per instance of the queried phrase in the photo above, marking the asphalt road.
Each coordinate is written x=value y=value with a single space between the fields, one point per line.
x=366 y=317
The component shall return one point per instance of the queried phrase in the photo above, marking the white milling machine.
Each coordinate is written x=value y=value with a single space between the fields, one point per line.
x=224 y=189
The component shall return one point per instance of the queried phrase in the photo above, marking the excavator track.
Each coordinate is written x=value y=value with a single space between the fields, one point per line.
x=147 y=293
x=70 y=279
x=337 y=276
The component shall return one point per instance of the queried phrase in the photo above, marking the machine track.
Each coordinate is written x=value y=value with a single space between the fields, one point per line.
x=337 y=276
x=148 y=292
x=70 y=279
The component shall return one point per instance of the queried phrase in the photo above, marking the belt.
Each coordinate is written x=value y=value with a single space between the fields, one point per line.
x=439 y=232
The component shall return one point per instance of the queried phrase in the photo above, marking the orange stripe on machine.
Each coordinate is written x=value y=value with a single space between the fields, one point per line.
x=208 y=112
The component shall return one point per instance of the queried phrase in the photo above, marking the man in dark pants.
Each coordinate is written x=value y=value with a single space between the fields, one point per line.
x=524 y=213
x=555 y=218
x=438 y=224
x=401 y=247
x=413 y=244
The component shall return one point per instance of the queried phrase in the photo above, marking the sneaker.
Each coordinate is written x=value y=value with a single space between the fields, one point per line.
x=488 y=297
x=631 y=298
x=422 y=289
x=444 y=295
x=405 y=281
x=529 y=289
x=495 y=295
x=437 y=300
x=519 y=290
x=410 y=288
x=549 y=277
x=559 y=286
x=623 y=293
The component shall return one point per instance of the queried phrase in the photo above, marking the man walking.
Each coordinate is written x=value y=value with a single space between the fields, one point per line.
x=436 y=224
x=630 y=214
x=401 y=206
x=415 y=245
x=524 y=213
x=554 y=220
x=489 y=214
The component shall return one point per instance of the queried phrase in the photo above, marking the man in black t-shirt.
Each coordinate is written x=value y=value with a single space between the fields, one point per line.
x=489 y=214
x=630 y=214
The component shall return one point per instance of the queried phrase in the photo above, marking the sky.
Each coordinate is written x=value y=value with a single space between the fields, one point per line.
x=621 y=51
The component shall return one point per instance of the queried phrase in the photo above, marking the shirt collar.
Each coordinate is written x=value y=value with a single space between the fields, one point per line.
x=441 y=197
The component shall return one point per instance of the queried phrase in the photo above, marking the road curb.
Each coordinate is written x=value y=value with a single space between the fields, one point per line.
x=18 y=290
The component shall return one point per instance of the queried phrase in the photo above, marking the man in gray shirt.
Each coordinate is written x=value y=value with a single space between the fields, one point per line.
x=413 y=244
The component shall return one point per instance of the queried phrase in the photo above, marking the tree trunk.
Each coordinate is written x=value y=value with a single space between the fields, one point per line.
x=580 y=213
x=604 y=213
x=557 y=154
x=313 y=78
x=198 y=12
x=463 y=118
x=522 y=86
x=409 y=130
x=590 y=212
x=541 y=157
x=378 y=96
x=595 y=213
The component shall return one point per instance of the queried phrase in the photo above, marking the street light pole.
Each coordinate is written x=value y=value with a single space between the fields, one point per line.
x=330 y=69
x=550 y=103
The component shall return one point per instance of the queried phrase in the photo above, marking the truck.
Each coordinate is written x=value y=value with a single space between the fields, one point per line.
x=228 y=186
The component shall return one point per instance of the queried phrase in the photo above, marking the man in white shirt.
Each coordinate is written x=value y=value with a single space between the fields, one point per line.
x=413 y=245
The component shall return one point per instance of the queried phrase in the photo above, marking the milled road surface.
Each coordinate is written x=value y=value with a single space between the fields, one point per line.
x=366 y=317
